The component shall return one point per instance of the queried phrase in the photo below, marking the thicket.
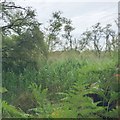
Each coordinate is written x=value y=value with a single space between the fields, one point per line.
x=69 y=88
x=37 y=82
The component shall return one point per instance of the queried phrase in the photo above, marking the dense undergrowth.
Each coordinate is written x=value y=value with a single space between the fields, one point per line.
x=73 y=87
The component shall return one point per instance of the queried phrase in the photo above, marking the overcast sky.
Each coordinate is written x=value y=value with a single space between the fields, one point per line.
x=83 y=14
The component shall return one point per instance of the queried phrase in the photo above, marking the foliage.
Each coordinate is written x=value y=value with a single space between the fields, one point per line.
x=23 y=41
x=16 y=18
x=68 y=85
x=66 y=89
x=77 y=104
x=44 y=108
x=11 y=111
x=53 y=29
x=24 y=51
x=68 y=28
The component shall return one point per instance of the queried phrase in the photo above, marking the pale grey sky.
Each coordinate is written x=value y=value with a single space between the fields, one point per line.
x=83 y=14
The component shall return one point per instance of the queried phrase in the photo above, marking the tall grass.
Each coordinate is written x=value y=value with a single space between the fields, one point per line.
x=66 y=76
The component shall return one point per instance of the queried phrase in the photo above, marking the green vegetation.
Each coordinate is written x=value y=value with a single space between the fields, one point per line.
x=60 y=89
x=76 y=82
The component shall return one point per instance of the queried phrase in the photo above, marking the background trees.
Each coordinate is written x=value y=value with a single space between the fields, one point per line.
x=16 y=18
x=59 y=31
x=68 y=28
x=84 y=41
x=53 y=30
x=23 y=41
x=98 y=38
x=110 y=38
